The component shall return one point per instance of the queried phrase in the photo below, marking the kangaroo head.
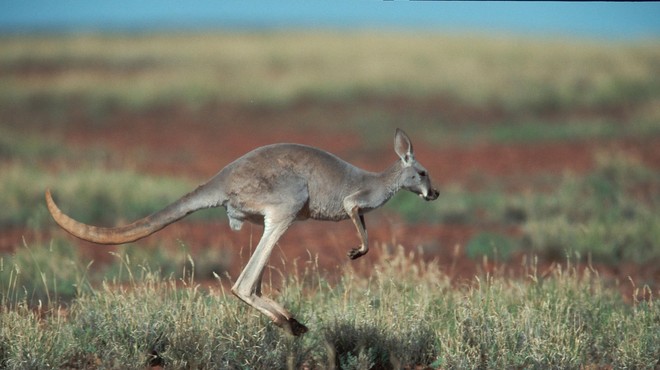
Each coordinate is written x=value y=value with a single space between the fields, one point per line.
x=413 y=176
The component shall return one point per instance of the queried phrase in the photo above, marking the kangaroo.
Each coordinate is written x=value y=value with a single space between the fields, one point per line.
x=274 y=186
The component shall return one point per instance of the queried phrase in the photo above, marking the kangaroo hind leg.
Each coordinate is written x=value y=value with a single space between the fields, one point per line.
x=248 y=284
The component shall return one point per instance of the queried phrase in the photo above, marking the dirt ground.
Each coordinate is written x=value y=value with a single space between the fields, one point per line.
x=179 y=142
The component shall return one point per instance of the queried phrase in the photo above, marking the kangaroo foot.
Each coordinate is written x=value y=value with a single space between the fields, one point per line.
x=293 y=327
x=356 y=253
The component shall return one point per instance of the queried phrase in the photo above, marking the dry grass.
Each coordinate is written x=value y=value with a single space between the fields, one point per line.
x=282 y=67
x=405 y=314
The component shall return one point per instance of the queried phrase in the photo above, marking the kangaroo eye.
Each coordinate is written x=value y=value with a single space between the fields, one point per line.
x=422 y=173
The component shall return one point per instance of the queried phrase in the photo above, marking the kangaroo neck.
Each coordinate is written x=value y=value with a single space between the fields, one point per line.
x=390 y=179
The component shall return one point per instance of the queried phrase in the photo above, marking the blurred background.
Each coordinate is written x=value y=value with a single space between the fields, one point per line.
x=538 y=122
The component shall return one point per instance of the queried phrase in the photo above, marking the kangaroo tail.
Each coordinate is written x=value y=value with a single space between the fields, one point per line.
x=136 y=230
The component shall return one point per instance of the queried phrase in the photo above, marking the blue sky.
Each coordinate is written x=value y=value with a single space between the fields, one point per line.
x=607 y=20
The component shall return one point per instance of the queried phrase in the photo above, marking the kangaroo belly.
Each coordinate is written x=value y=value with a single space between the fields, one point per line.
x=325 y=215
x=323 y=210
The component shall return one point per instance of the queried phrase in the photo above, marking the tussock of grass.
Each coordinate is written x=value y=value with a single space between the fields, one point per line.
x=169 y=262
x=404 y=314
x=43 y=275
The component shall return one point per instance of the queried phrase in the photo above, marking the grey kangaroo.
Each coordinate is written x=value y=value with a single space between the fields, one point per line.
x=274 y=186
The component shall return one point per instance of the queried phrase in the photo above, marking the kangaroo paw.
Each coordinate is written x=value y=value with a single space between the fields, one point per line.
x=356 y=253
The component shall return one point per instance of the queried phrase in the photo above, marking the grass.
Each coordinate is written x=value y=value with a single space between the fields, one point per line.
x=54 y=272
x=85 y=177
x=24 y=160
x=92 y=195
x=572 y=130
x=404 y=314
x=42 y=276
x=280 y=68
x=609 y=214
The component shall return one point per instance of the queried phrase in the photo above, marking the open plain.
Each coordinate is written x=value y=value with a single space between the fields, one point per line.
x=541 y=251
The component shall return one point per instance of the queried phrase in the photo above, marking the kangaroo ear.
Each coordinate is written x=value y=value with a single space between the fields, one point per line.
x=402 y=146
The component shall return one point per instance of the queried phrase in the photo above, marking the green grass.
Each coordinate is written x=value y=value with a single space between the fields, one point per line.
x=611 y=214
x=54 y=272
x=44 y=275
x=406 y=313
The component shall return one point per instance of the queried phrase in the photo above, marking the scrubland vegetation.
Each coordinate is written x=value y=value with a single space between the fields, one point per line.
x=169 y=307
x=406 y=313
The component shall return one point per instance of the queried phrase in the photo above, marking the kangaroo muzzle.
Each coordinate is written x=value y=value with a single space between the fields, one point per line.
x=431 y=194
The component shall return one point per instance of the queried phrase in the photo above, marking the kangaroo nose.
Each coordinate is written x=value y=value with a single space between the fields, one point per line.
x=432 y=195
